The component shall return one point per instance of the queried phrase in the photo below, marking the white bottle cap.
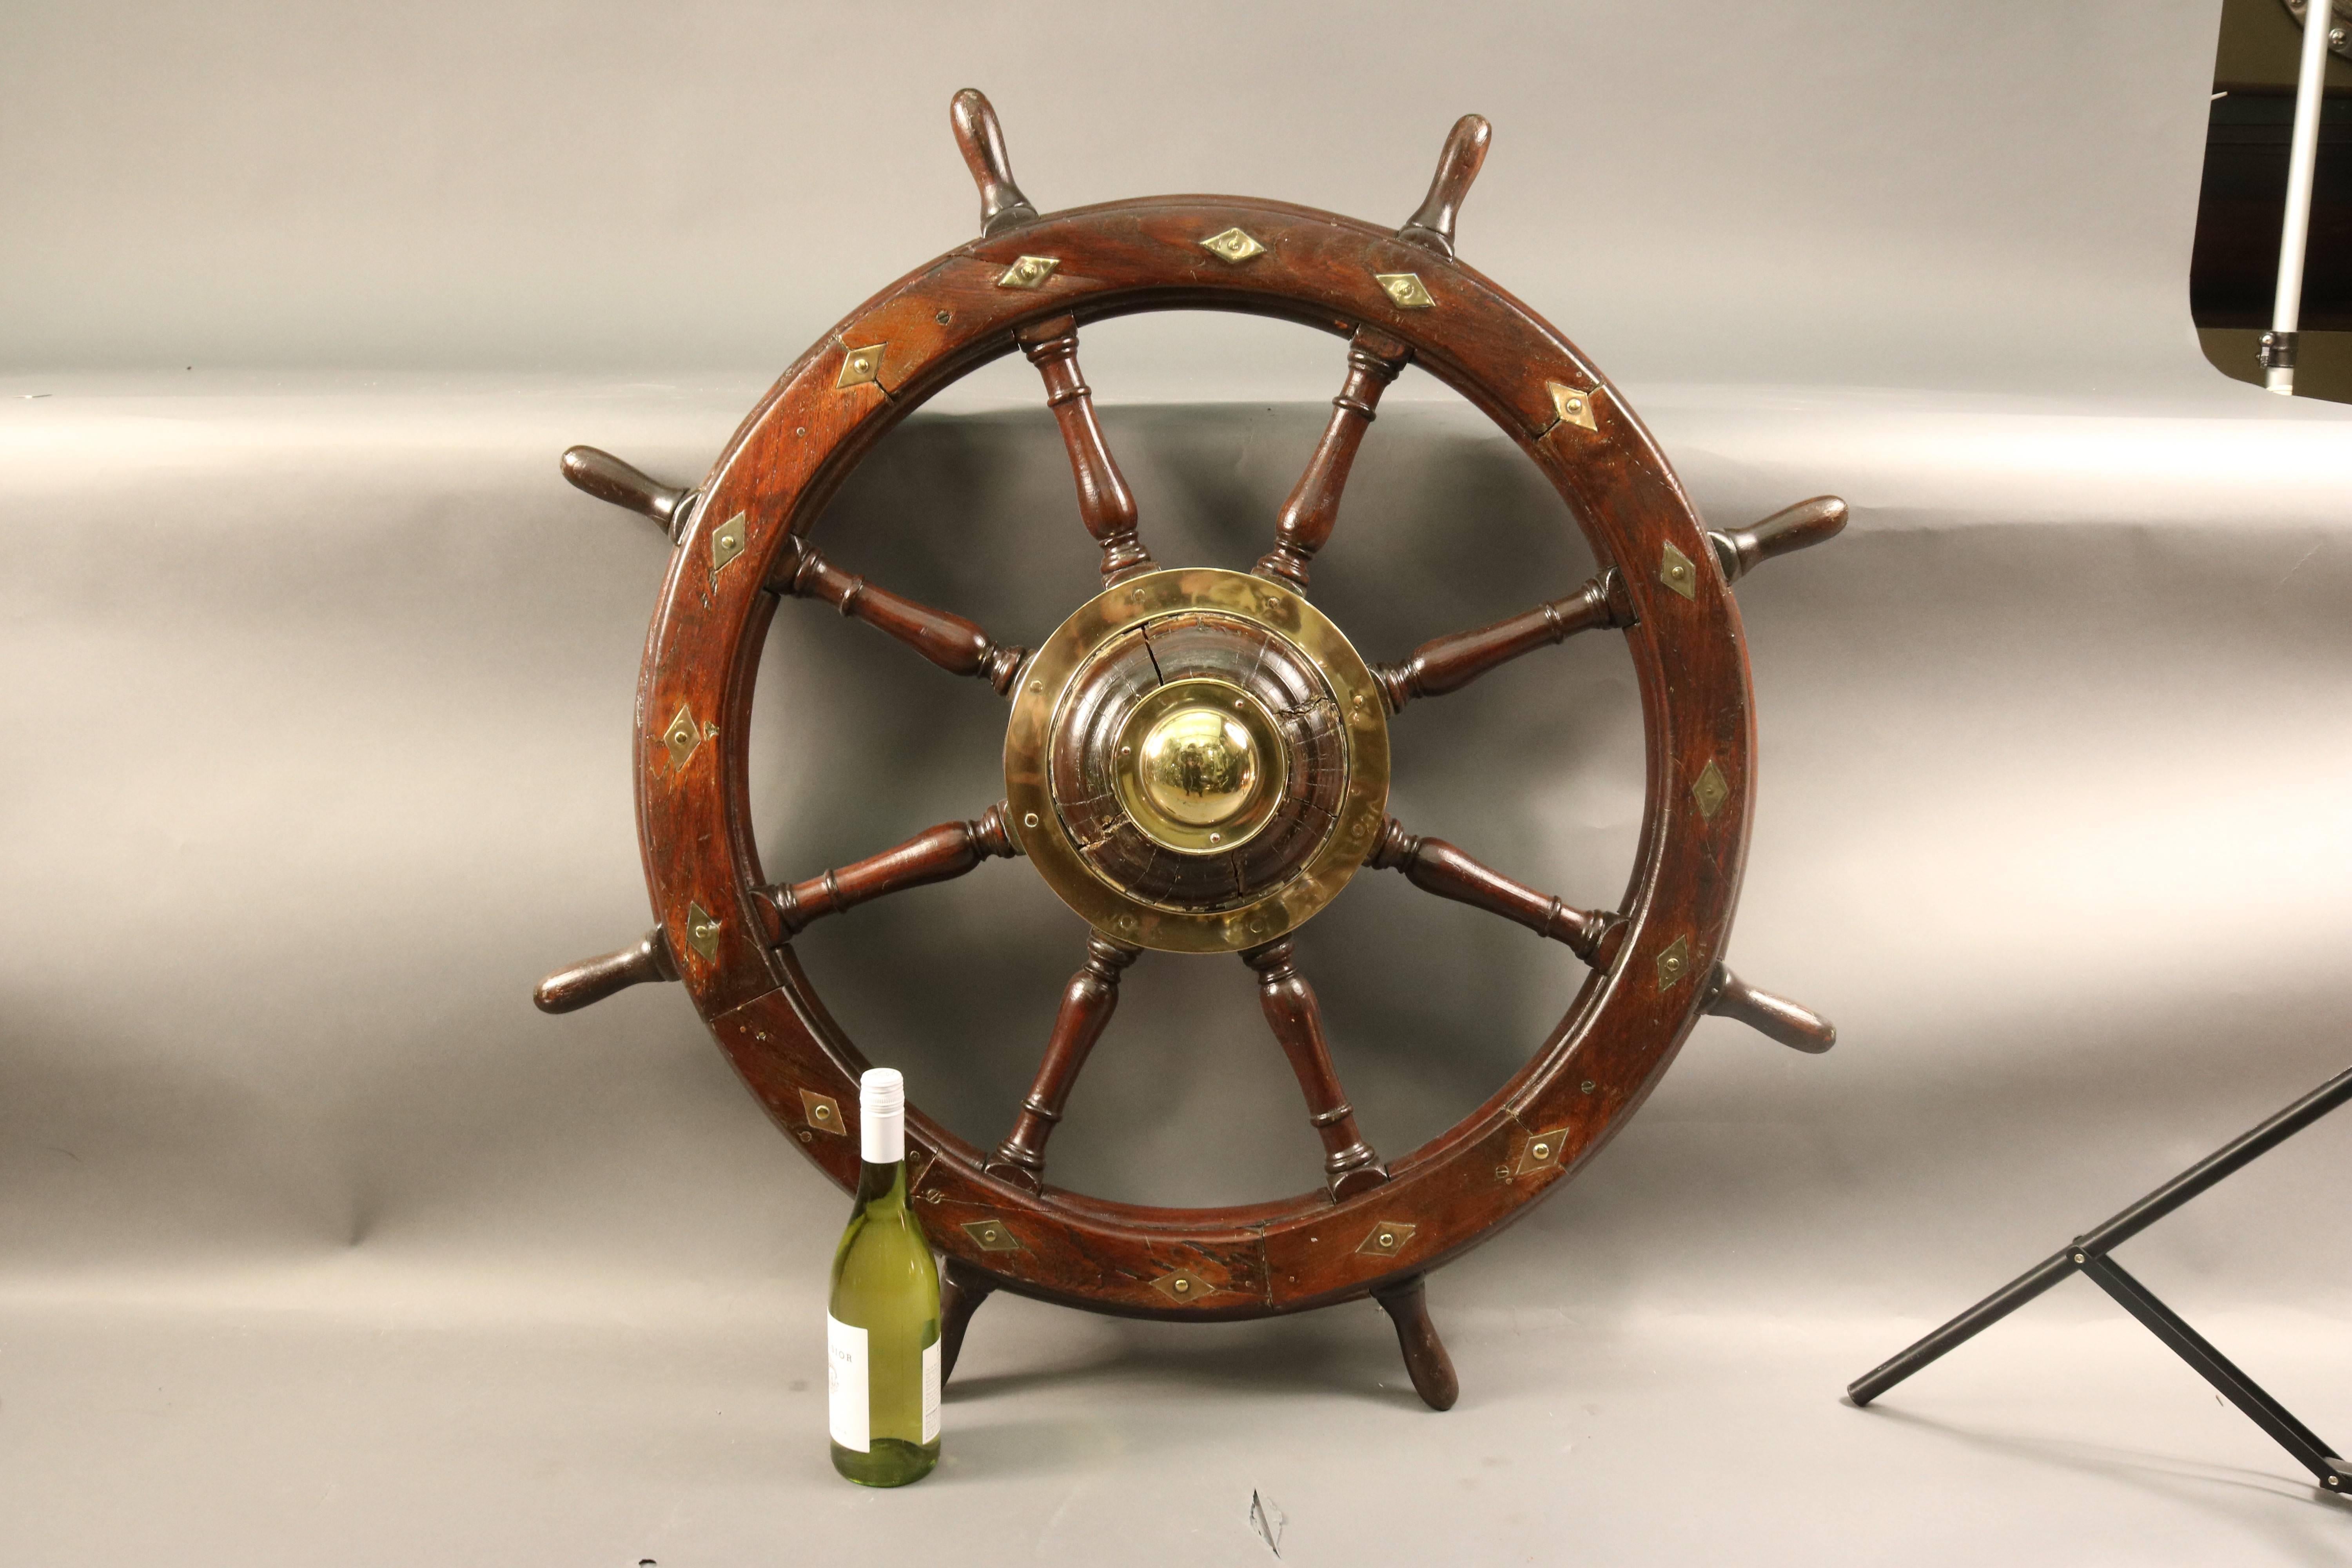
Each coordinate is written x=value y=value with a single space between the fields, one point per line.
x=882 y=1115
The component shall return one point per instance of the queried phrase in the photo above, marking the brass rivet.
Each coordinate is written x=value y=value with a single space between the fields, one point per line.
x=1388 y=1238
x=824 y=1113
x=1216 y=838
x=1543 y=1150
x=1036 y=685
x=1181 y=1287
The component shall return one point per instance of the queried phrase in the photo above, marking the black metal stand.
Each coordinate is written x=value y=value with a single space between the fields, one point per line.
x=2087 y=1255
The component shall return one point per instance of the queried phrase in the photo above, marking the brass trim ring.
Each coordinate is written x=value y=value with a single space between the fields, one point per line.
x=1046 y=838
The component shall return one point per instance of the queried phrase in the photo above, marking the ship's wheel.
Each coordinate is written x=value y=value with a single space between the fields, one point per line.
x=1197 y=760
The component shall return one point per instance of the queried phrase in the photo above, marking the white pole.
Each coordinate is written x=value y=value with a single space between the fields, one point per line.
x=2279 y=342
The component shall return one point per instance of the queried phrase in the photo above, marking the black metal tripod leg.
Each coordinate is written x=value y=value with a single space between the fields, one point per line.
x=1962 y=1329
x=2217 y=1369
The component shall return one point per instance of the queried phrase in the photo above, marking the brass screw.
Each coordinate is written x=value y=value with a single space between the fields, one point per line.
x=1588 y=1085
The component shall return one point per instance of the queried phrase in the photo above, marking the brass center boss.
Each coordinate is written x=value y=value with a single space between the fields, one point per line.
x=1197 y=761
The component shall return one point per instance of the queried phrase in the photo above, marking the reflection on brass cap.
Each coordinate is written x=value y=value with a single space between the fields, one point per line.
x=1200 y=765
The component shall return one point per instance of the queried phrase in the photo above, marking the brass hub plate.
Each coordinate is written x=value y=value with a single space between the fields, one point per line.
x=1303 y=769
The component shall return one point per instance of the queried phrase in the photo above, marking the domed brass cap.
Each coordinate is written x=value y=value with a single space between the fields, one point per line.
x=1200 y=766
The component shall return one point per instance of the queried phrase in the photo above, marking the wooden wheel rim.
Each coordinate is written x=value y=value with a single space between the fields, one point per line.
x=1689 y=660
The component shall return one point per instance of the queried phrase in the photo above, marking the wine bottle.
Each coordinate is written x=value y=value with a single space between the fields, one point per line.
x=882 y=1325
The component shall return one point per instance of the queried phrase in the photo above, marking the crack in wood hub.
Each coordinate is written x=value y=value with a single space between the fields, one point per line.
x=1197 y=761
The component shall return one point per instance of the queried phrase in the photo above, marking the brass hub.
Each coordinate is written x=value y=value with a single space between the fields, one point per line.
x=1200 y=766
x=1197 y=761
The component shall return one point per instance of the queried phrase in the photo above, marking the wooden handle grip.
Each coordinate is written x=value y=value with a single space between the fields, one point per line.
x=1436 y=867
x=950 y=641
x=593 y=979
x=608 y=478
x=1458 y=165
x=1450 y=663
x=981 y=139
x=935 y=855
x=1805 y=524
x=1775 y=1017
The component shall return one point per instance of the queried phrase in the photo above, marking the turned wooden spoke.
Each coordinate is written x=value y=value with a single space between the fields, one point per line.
x=1087 y=1003
x=1792 y=1024
x=962 y=1289
x=952 y=642
x=593 y=979
x=1348 y=1163
x=1308 y=516
x=1104 y=503
x=1463 y=155
x=1595 y=936
x=608 y=479
x=935 y=855
x=1450 y=663
x=1436 y=867
x=1799 y=527
x=1425 y=1361
x=981 y=139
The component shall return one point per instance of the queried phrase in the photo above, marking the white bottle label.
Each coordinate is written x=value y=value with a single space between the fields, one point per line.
x=931 y=1391
x=851 y=1410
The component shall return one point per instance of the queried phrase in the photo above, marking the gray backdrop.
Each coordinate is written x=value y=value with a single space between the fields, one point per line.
x=318 y=1244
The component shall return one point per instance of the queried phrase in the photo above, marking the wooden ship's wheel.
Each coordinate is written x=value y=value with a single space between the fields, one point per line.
x=1197 y=760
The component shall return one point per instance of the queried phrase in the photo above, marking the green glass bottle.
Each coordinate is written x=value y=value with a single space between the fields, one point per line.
x=882 y=1327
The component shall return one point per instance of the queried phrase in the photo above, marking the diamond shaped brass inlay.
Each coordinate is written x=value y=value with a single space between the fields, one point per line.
x=1676 y=571
x=823 y=1112
x=1710 y=791
x=991 y=1235
x=727 y=542
x=1674 y=963
x=682 y=736
x=1183 y=1285
x=1029 y=272
x=1572 y=406
x=860 y=367
x=1543 y=1150
x=1404 y=289
x=1232 y=245
x=1388 y=1238
x=702 y=931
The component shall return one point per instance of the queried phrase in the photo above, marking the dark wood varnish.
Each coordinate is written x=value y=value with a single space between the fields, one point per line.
x=593 y=979
x=1350 y=1166
x=1657 y=955
x=1104 y=503
x=952 y=642
x=1308 y=517
x=1087 y=1003
x=1436 y=867
x=1451 y=662
x=935 y=854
